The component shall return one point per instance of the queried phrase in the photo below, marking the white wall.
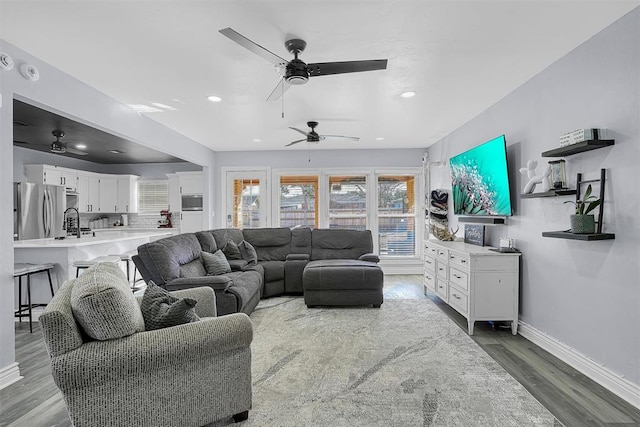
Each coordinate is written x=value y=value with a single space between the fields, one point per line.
x=69 y=97
x=585 y=295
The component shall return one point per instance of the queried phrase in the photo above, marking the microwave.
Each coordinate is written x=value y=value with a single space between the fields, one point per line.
x=191 y=202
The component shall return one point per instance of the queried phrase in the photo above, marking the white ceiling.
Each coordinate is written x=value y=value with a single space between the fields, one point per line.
x=459 y=56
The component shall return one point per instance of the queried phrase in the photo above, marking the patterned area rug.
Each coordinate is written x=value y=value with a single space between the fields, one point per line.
x=405 y=364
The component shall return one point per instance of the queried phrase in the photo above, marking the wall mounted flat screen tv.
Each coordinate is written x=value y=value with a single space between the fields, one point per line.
x=480 y=181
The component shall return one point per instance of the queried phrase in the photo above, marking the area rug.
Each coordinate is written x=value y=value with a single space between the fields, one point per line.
x=405 y=364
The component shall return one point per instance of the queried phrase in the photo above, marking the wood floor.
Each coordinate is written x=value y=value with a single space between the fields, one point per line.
x=574 y=399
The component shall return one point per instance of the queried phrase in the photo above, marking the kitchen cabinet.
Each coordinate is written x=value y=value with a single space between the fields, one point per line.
x=190 y=222
x=127 y=194
x=191 y=182
x=52 y=175
x=175 y=201
x=88 y=193
x=108 y=194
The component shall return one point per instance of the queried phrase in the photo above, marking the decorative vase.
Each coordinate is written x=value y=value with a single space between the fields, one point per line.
x=583 y=224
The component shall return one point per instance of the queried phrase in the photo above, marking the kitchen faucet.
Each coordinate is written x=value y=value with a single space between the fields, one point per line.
x=77 y=219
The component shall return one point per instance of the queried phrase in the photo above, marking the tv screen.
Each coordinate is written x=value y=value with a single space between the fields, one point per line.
x=479 y=180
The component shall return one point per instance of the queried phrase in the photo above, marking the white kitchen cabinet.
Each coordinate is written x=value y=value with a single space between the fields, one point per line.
x=191 y=182
x=477 y=282
x=190 y=222
x=52 y=175
x=88 y=192
x=175 y=201
x=127 y=194
x=108 y=194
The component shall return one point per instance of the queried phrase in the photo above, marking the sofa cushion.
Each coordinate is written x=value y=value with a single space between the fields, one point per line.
x=103 y=304
x=215 y=263
x=271 y=244
x=301 y=241
x=207 y=242
x=164 y=257
x=194 y=268
x=231 y=250
x=223 y=235
x=273 y=270
x=248 y=252
x=340 y=244
x=160 y=309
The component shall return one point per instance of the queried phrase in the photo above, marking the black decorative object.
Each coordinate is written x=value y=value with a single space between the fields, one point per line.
x=474 y=234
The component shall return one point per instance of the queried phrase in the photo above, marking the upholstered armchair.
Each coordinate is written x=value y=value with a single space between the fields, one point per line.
x=186 y=375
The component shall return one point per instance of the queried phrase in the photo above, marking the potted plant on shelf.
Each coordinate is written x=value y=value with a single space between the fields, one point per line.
x=582 y=222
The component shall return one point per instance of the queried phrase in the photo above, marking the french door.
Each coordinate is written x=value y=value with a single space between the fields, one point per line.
x=246 y=199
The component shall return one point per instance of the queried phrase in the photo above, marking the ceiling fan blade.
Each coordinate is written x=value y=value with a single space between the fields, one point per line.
x=253 y=47
x=300 y=130
x=76 y=151
x=295 y=142
x=326 y=68
x=340 y=137
x=281 y=88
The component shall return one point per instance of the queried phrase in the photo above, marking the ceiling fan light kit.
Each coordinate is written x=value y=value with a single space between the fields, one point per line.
x=6 y=62
x=29 y=72
x=297 y=72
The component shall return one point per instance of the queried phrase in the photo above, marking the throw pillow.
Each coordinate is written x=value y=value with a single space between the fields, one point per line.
x=248 y=252
x=103 y=304
x=231 y=250
x=160 y=309
x=215 y=263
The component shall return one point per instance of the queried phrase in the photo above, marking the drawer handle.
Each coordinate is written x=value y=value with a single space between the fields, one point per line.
x=455 y=296
x=452 y=256
x=428 y=277
x=457 y=277
x=464 y=261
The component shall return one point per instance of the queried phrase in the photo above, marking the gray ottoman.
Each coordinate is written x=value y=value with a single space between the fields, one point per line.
x=342 y=282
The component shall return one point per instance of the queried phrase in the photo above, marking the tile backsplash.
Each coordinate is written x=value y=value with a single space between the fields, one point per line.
x=94 y=221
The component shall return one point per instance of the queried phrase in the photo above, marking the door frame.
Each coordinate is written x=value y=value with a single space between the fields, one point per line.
x=235 y=172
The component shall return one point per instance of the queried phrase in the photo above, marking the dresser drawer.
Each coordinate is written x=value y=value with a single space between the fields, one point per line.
x=430 y=281
x=458 y=300
x=459 y=278
x=430 y=263
x=461 y=260
x=442 y=254
x=430 y=250
x=442 y=270
x=442 y=289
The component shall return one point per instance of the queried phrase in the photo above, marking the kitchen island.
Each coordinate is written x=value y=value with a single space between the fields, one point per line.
x=63 y=253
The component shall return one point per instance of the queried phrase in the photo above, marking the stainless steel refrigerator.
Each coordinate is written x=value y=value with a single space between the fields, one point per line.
x=38 y=211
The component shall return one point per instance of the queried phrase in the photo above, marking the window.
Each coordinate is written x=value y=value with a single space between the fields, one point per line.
x=348 y=202
x=396 y=215
x=153 y=196
x=298 y=201
x=246 y=203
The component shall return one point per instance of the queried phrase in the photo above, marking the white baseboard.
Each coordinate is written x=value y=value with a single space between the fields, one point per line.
x=9 y=375
x=598 y=373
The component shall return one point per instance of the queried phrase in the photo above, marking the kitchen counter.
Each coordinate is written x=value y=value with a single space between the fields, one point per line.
x=63 y=253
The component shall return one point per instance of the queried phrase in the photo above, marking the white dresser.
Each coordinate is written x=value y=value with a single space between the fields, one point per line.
x=478 y=283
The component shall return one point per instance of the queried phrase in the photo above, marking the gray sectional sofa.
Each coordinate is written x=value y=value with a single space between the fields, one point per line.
x=283 y=259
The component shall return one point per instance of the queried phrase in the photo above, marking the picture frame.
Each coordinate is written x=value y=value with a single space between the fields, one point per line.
x=474 y=234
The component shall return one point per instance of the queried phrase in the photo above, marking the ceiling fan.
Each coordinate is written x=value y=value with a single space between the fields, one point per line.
x=59 y=147
x=296 y=72
x=314 y=137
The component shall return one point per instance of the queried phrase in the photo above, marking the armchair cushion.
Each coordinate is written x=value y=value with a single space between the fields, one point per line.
x=103 y=304
x=215 y=263
x=248 y=252
x=160 y=309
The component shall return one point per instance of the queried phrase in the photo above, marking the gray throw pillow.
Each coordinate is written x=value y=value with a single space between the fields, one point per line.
x=231 y=250
x=160 y=309
x=215 y=263
x=103 y=304
x=248 y=252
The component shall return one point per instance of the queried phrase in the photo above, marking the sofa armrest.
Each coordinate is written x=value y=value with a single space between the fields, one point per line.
x=147 y=352
x=214 y=282
x=206 y=297
x=369 y=257
x=297 y=257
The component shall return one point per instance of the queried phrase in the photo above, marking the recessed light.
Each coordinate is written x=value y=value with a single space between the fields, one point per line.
x=81 y=146
x=408 y=94
x=116 y=151
x=257 y=140
x=379 y=138
x=214 y=98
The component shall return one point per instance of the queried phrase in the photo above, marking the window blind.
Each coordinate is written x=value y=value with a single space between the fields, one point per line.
x=153 y=196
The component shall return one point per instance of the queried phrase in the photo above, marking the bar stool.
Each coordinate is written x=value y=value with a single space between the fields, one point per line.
x=126 y=257
x=24 y=269
x=81 y=265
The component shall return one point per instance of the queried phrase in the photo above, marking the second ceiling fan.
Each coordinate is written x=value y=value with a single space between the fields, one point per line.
x=312 y=136
x=296 y=72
